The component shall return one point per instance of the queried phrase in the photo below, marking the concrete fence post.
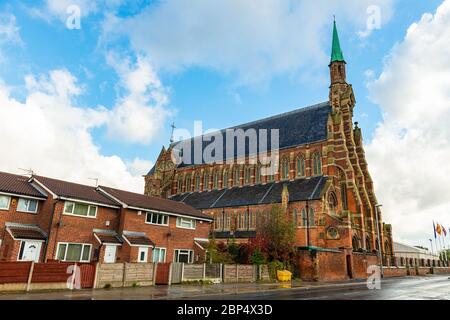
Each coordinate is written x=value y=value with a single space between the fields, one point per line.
x=170 y=274
x=237 y=273
x=182 y=272
x=204 y=271
x=155 y=267
x=30 y=276
x=221 y=272
x=124 y=273
x=96 y=275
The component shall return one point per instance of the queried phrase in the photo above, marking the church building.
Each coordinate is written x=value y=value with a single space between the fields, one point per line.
x=322 y=178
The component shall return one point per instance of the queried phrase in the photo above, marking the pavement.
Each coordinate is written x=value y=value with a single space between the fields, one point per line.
x=409 y=288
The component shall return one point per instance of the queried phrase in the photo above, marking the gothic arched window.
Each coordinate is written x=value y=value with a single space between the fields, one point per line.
x=295 y=217
x=368 y=244
x=247 y=175
x=180 y=185
x=258 y=174
x=236 y=176
x=197 y=182
x=285 y=169
x=310 y=216
x=355 y=243
x=301 y=172
x=215 y=180
x=317 y=164
x=225 y=179
x=205 y=181
x=332 y=203
x=188 y=183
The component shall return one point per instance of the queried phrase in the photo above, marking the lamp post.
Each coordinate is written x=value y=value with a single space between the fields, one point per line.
x=380 y=258
x=431 y=244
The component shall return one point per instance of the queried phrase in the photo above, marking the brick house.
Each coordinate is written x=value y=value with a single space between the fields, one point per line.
x=45 y=219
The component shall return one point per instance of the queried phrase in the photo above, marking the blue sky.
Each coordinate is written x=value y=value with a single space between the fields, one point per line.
x=144 y=64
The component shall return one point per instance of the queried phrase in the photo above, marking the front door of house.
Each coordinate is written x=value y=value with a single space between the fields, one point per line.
x=31 y=251
x=110 y=254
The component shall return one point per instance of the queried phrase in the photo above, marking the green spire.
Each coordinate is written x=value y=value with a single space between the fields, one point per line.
x=336 y=51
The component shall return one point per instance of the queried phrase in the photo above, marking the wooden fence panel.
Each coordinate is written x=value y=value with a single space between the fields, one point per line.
x=193 y=271
x=177 y=271
x=87 y=274
x=138 y=274
x=14 y=272
x=212 y=271
x=51 y=272
x=163 y=273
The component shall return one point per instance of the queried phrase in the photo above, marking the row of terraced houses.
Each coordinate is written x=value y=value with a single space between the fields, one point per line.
x=44 y=219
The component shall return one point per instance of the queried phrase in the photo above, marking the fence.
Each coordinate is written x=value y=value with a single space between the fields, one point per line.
x=26 y=276
x=124 y=274
x=20 y=276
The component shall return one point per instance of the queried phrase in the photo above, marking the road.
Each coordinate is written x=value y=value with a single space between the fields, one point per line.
x=435 y=287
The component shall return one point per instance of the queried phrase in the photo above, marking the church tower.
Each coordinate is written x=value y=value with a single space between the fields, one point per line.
x=337 y=63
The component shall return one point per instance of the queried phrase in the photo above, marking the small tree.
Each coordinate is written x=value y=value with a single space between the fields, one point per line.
x=277 y=232
x=257 y=257
x=217 y=252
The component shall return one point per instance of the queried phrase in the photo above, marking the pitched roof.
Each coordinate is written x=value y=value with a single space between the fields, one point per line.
x=75 y=191
x=141 y=201
x=108 y=236
x=138 y=238
x=299 y=190
x=17 y=184
x=298 y=127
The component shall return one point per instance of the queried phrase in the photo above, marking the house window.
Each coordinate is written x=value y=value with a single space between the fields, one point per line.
x=182 y=255
x=180 y=185
x=80 y=209
x=317 y=164
x=142 y=254
x=27 y=205
x=157 y=218
x=285 y=169
x=159 y=255
x=185 y=223
x=4 y=202
x=74 y=252
x=301 y=172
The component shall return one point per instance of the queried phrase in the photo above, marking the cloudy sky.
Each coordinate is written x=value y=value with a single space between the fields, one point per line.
x=88 y=89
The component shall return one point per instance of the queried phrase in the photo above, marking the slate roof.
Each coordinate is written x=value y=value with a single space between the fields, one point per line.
x=299 y=190
x=19 y=185
x=298 y=127
x=75 y=191
x=240 y=234
x=152 y=203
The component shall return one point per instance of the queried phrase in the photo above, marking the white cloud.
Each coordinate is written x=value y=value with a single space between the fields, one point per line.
x=48 y=133
x=255 y=39
x=410 y=152
x=9 y=32
x=140 y=114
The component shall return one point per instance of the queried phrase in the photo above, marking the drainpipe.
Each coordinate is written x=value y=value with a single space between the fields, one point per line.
x=307 y=224
x=49 y=230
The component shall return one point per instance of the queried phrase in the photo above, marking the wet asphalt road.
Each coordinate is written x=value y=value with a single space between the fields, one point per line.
x=414 y=288
x=435 y=287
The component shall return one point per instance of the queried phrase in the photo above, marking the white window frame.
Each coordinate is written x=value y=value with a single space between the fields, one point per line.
x=151 y=213
x=159 y=250
x=66 y=203
x=140 y=250
x=82 y=250
x=9 y=202
x=28 y=211
x=189 y=251
x=180 y=221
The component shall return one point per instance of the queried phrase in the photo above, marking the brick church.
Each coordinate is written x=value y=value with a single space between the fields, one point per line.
x=321 y=178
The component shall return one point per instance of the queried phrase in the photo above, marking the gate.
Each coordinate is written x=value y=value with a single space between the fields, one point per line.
x=177 y=270
x=163 y=273
x=87 y=273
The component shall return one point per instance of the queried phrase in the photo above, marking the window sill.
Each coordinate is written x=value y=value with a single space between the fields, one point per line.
x=77 y=216
x=29 y=212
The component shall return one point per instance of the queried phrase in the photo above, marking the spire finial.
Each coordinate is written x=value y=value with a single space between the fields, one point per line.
x=336 y=51
x=173 y=129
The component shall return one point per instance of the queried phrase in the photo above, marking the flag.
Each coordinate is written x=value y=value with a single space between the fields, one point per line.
x=434 y=229
x=444 y=231
x=439 y=229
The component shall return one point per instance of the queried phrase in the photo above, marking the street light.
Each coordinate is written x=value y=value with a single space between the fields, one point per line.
x=379 y=238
